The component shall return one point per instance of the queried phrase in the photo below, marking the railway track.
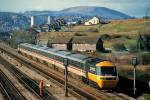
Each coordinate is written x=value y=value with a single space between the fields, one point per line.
x=86 y=94
x=30 y=84
x=80 y=94
x=8 y=90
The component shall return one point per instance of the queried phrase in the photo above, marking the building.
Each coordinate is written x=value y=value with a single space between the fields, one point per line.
x=40 y=20
x=74 y=43
x=93 y=21
x=87 y=43
x=61 y=43
x=48 y=20
x=71 y=23
x=32 y=21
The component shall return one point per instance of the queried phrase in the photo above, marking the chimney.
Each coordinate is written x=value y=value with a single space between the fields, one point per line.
x=32 y=21
x=49 y=20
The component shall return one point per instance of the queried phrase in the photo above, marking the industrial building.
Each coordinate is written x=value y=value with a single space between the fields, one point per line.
x=77 y=43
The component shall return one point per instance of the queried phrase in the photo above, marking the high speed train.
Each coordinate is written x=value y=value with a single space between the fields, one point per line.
x=101 y=72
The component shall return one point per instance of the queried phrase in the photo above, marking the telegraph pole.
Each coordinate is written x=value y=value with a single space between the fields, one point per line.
x=134 y=63
x=134 y=81
x=66 y=74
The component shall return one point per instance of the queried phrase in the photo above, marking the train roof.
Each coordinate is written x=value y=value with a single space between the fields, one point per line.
x=93 y=61
x=78 y=57
x=64 y=52
x=52 y=50
x=70 y=55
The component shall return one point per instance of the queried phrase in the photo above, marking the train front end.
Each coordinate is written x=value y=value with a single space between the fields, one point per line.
x=107 y=76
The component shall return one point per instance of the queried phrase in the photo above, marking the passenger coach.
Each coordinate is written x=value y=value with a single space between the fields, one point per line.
x=101 y=72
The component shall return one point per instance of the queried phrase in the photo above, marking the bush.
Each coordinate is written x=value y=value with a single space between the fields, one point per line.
x=116 y=36
x=119 y=47
x=145 y=58
x=93 y=30
x=21 y=37
x=128 y=37
x=146 y=96
x=131 y=45
x=80 y=34
x=105 y=36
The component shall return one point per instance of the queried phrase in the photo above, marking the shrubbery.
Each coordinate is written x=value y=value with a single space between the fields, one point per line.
x=119 y=47
x=105 y=36
x=145 y=58
x=116 y=36
x=93 y=30
x=21 y=37
x=131 y=45
x=80 y=34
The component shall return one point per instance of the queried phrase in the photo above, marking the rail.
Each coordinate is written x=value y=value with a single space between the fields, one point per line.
x=86 y=94
x=8 y=90
x=30 y=84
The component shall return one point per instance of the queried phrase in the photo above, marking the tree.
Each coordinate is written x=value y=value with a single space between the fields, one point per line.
x=144 y=40
x=18 y=37
x=79 y=22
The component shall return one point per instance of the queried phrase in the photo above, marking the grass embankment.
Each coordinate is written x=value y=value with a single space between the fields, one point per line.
x=83 y=28
x=121 y=33
x=124 y=31
x=126 y=27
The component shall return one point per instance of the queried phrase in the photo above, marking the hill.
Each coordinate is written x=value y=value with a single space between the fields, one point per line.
x=12 y=21
x=86 y=11
x=96 y=11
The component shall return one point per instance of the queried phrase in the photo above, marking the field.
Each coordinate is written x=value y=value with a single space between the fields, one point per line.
x=121 y=27
x=126 y=27
x=120 y=33
x=124 y=32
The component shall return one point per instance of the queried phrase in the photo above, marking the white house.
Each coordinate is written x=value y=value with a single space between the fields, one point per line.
x=32 y=21
x=71 y=23
x=93 y=21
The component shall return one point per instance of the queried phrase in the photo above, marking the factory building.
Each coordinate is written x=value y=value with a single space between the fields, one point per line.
x=77 y=43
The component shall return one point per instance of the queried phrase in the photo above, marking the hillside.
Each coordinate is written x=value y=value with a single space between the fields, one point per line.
x=95 y=11
x=120 y=31
x=121 y=27
x=11 y=21
x=130 y=26
x=85 y=11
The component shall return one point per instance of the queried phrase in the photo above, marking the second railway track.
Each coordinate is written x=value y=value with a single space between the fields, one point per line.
x=30 y=84
x=8 y=90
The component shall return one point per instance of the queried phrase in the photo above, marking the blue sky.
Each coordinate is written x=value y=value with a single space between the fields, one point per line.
x=135 y=8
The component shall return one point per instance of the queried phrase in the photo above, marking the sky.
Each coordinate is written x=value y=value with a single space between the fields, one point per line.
x=136 y=8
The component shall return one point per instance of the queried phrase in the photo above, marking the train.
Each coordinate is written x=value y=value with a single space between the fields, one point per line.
x=101 y=72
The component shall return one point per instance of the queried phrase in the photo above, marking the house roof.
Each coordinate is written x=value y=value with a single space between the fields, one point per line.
x=86 y=39
x=60 y=40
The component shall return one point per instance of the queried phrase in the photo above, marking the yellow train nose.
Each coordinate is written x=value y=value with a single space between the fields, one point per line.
x=107 y=83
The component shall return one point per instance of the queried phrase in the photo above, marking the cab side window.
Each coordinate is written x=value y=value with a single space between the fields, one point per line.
x=98 y=71
x=92 y=69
